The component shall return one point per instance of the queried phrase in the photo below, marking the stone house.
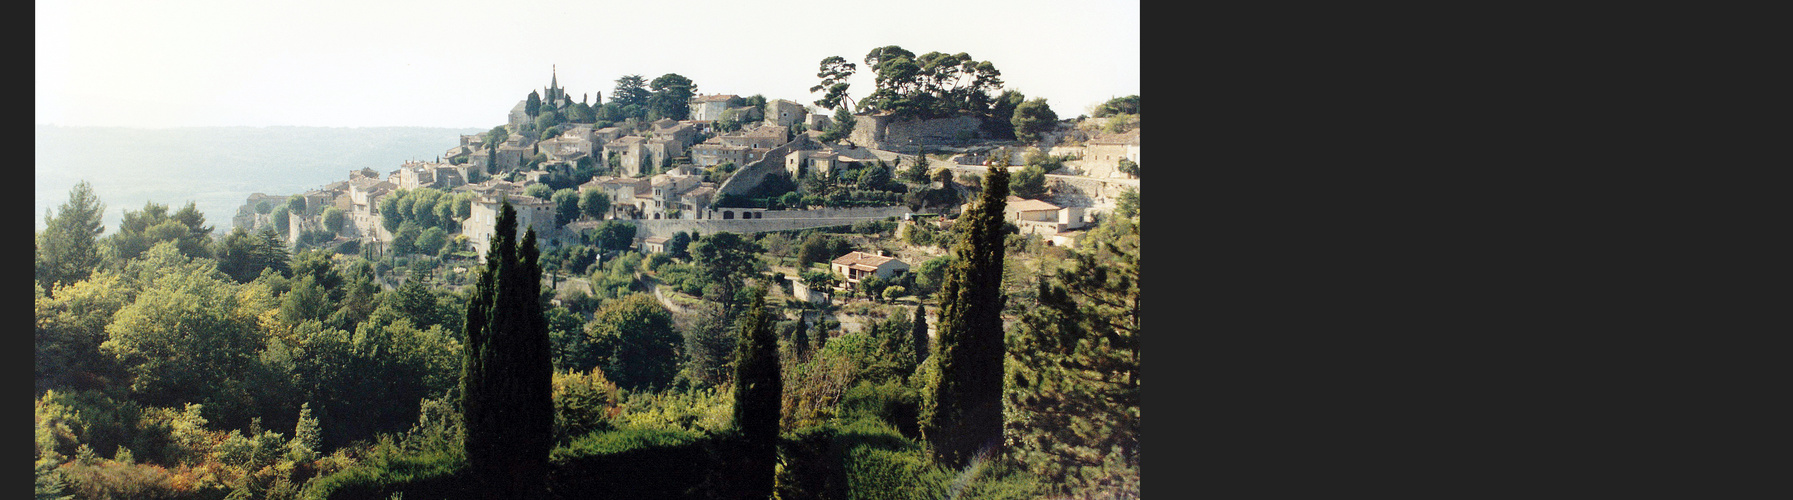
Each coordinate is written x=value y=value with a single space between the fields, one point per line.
x=660 y=152
x=480 y=158
x=1102 y=155
x=462 y=152
x=568 y=146
x=816 y=121
x=693 y=202
x=664 y=194
x=714 y=152
x=414 y=175
x=627 y=195
x=364 y=196
x=532 y=213
x=765 y=136
x=859 y=266
x=783 y=113
x=513 y=152
x=630 y=151
x=519 y=115
x=800 y=163
x=710 y=107
x=1039 y=217
x=685 y=134
x=653 y=244
x=605 y=135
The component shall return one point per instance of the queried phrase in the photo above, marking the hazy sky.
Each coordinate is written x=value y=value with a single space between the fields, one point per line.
x=455 y=63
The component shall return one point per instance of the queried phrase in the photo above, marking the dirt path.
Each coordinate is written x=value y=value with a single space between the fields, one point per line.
x=653 y=286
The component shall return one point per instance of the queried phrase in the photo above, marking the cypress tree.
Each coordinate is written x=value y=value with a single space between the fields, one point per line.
x=507 y=371
x=962 y=415
x=800 y=341
x=918 y=333
x=759 y=387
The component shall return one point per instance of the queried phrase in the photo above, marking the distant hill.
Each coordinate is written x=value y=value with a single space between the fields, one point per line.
x=217 y=167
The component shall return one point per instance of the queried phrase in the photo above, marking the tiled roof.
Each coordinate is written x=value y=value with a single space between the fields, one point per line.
x=1019 y=204
x=1130 y=137
x=714 y=98
x=856 y=259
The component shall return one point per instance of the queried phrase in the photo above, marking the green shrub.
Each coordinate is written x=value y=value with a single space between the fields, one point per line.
x=636 y=463
x=388 y=471
x=582 y=402
x=114 y=479
x=891 y=402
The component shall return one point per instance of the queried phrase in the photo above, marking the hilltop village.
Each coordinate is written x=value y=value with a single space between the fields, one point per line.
x=914 y=295
x=735 y=164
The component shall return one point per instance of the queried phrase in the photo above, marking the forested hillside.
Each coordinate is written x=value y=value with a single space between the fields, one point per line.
x=176 y=361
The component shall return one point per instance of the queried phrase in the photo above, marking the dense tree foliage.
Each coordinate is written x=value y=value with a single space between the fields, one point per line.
x=243 y=256
x=1033 y=118
x=566 y=206
x=631 y=90
x=727 y=260
x=634 y=342
x=1127 y=204
x=68 y=248
x=594 y=203
x=935 y=84
x=834 y=72
x=613 y=235
x=426 y=208
x=962 y=417
x=1074 y=401
x=1029 y=182
x=507 y=375
x=1119 y=105
x=142 y=229
x=671 y=97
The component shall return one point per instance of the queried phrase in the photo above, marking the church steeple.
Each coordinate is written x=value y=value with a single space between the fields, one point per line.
x=553 y=93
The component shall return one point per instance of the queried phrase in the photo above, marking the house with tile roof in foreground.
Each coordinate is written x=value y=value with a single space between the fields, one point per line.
x=857 y=266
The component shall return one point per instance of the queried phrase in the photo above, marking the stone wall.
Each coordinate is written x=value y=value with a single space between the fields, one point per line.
x=748 y=177
x=1071 y=190
x=885 y=132
x=773 y=220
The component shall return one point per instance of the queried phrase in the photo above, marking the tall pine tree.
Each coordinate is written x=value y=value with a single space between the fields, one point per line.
x=507 y=372
x=68 y=249
x=962 y=412
x=758 y=388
